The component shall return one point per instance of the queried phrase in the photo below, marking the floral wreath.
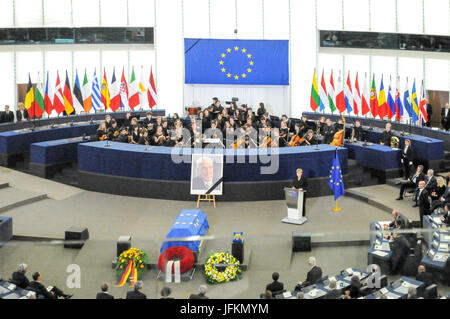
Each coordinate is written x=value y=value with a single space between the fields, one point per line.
x=131 y=262
x=222 y=267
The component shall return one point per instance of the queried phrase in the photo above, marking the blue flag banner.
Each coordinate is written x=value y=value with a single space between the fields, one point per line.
x=236 y=62
x=335 y=181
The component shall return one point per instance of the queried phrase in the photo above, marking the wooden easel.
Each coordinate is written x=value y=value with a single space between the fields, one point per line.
x=206 y=198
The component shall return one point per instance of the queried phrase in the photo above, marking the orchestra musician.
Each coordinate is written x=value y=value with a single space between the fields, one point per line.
x=284 y=134
x=102 y=132
x=123 y=136
x=309 y=139
x=144 y=139
x=386 y=135
x=148 y=119
x=358 y=132
x=113 y=132
x=159 y=139
x=321 y=125
x=304 y=126
x=328 y=132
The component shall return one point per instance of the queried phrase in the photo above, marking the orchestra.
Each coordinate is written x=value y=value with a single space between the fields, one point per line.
x=229 y=127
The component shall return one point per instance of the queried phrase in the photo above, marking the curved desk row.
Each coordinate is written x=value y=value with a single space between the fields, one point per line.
x=156 y=172
x=73 y=118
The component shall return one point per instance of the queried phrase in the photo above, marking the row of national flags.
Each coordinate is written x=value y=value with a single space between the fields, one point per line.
x=350 y=98
x=89 y=95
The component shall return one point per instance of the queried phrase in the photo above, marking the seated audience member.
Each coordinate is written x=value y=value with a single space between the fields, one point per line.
x=439 y=190
x=412 y=294
x=165 y=293
x=313 y=276
x=275 y=286
x=355 y=287
x=266 y=295
x=38 y=287
x=413 y=181
x=19 y=276
x=300 y=295
x=136 y=293
x=442 y=201
x=424 y=276
x=7 y=115
x=446 y=217
x=430 y=181
x=397 y=217
x=22 y=113
x=201 y=293
x=104 y=294
x=334 y=293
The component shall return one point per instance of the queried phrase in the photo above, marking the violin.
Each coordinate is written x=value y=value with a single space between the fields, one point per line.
x=238 y=142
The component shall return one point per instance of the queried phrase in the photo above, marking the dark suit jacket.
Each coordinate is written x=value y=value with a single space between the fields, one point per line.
x=408 y=156
x=275 y=286
x=386 y=137
x=314 y=275
x=104 y=295
x=419 y=178
x=423 y=202
x=334 y=294
x=431 y=184
x=7 y=117
x=443 y=117
x=426 y=278
x=21 y=280
x=402 y=221
x=194 y=296
x=134 y=294
x=19 y=115
x=302 y=183
x=39 y=288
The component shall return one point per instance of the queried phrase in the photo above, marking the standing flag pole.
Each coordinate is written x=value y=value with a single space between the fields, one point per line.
x=315 y=99
x=331 y=96
x=335 y=181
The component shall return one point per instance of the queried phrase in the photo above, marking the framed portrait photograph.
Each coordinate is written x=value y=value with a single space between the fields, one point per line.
x=206 y=170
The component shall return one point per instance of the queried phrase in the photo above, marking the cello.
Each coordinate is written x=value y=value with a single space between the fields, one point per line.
x=338 y=138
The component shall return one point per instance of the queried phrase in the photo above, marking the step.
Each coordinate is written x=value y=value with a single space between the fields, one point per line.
x=11 y=197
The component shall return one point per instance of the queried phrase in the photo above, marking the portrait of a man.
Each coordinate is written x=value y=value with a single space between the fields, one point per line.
x=206 y=171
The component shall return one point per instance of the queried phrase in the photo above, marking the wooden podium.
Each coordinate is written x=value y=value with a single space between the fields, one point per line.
x=294 y=204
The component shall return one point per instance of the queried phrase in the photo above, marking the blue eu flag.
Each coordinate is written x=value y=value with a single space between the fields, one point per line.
x=335 y=181
x=236 y=62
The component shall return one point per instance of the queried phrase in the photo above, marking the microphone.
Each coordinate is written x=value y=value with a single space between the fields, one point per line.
x=71 y=123
x=84 y=137
x=53 y=125
x=91 y=121
x=107 y=143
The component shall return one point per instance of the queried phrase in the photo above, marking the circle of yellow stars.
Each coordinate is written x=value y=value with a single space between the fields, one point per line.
x=236 y=76
x=340 y=181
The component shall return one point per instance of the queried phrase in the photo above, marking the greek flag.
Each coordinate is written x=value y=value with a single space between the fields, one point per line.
x=96 y=99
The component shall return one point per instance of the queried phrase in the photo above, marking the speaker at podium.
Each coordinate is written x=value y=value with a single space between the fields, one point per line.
x=295 y=206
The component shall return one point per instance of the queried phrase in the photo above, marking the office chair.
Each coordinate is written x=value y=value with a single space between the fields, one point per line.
x=430 y=292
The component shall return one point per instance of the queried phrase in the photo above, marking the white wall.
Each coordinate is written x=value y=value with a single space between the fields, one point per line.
x=173 y=20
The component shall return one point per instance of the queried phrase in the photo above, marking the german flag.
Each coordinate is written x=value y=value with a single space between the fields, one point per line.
x=67 y=95
x=125 y=275
x=29 y=98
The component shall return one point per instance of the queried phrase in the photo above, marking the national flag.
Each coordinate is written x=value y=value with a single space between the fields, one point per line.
x=348 y=95
x=382 y=104
x=365 y=98
x=422 y=104
x=58 y=100
x=407 y=101
x=331 y=97
x=86 y=92
x=115 y=93
x=315 y=99
x=123 y=91
x=398 y=102
x=78 y=96
x=96 y=98
x=151 y=93
x=335 y=180
x=134 y=91
x=373 y=99
x=29 y=98
x=142 y=90
x=357 y=97
x=39 y=107
x=340 y=99
x=414 y=104
x=67 y=95
x=323 y=94
x=391 y=103
x=105 y=92
x=48 y=98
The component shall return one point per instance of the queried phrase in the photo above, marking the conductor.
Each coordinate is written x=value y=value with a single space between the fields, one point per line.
x=301 y=183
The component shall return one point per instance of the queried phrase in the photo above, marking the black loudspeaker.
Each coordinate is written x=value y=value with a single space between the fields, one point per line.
x=123 y=244
x=237 y=250
x=76 y=234
x=300 y=242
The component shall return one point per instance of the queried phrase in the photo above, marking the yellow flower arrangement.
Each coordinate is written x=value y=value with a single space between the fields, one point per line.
x=232 y=270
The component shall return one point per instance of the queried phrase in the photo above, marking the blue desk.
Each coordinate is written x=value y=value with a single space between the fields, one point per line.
x=380 y=253
x=375 y=156
x=399 y=289
x=438 y=240
x=55 y=152
x=18 y=142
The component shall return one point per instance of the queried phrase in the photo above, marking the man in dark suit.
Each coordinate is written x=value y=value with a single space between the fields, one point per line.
x=429 y=109
x=386 y=135
x=407 y=158
x=275 y=286
x=430 y=181
x=446 y=217
x=313 y=276
x=104 y=294
x=334 y=292
x=398 y=220
x=413 y=181
x=19 y=276
x=400 y=250
x=7 y=115
x=201 y=293
x=137 y=292
x=424 y=276
x=423 y=201
x=328 y=132
x=38 y=287
x=445 y=117
x=205 y=178
x=22 y=113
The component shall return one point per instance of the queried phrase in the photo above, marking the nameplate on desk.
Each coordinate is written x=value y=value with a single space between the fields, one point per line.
x=384 y=291
x=380 y=253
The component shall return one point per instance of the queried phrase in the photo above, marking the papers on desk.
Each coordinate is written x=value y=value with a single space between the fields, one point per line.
x=287 y=294
x=11 y=287
x=440 y=257
x=349 y=271
x=384 y=290
x=380 y=253
x=443 y=247
x=437 y=220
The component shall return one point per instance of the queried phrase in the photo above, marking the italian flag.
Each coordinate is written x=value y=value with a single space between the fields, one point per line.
x=86 y=93
x=315 y=99
x=133 y=92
